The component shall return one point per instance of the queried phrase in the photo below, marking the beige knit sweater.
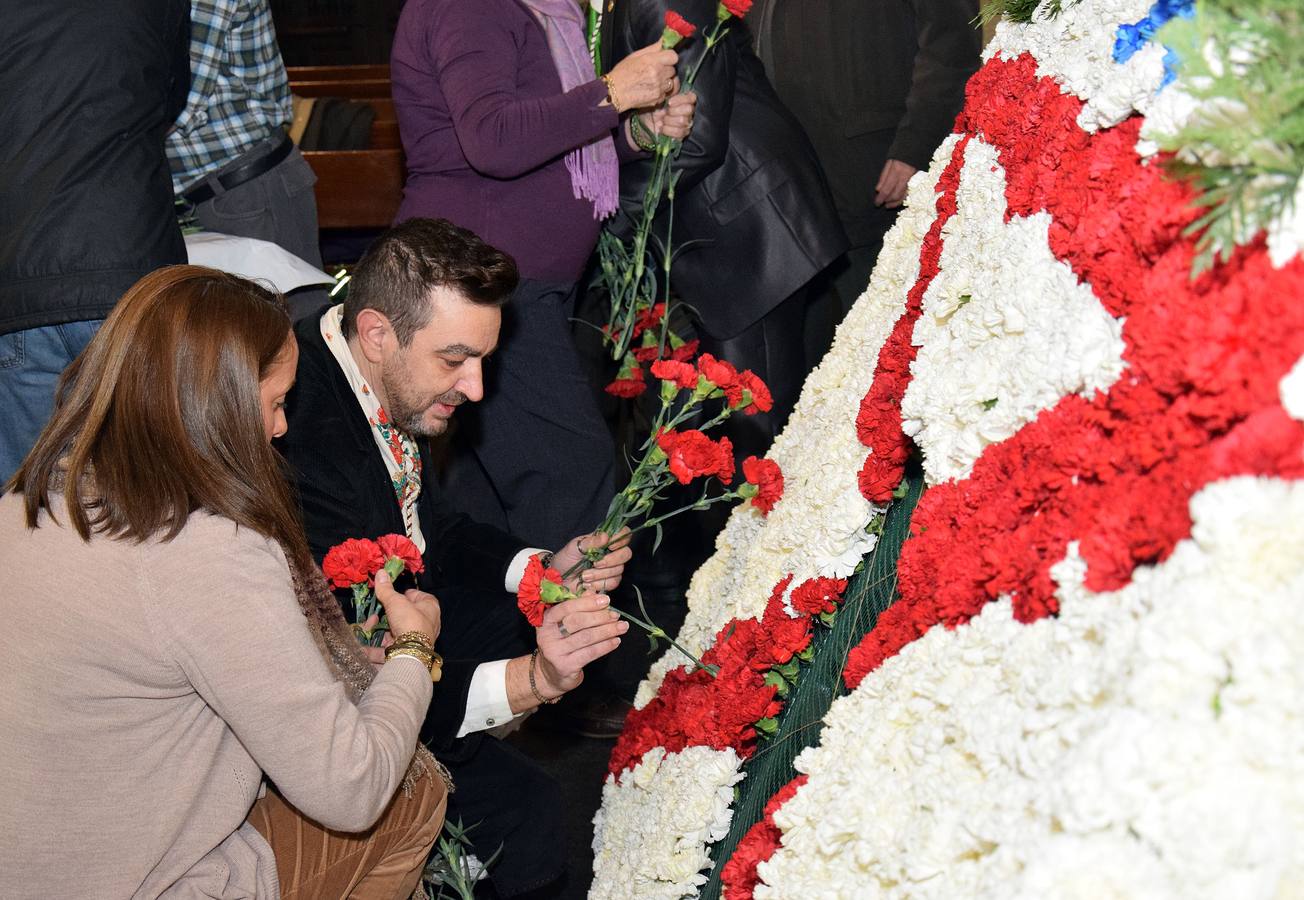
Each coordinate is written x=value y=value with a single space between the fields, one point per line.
x=145 y=690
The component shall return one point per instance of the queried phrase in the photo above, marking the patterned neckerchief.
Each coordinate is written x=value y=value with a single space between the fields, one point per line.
x=398 y=449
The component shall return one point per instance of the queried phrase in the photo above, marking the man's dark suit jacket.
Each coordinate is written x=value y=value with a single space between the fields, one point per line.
x=346 y=492
x=869 y=82
x=751 y=191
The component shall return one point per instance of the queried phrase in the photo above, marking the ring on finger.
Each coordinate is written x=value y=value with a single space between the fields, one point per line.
x=561 y=626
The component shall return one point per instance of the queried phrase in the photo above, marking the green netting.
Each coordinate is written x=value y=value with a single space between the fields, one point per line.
x=868 y=594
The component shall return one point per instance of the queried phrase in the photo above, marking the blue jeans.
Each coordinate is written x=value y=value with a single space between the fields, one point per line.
x=30 y=364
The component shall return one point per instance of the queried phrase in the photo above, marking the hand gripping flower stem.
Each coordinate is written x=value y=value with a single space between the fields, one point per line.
x=625 y=269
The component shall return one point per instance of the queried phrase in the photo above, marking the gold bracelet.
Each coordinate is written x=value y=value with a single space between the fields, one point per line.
x=431 y=660
x=611 y=94
x=418 y=636
x=534 y=688
x=414 y=644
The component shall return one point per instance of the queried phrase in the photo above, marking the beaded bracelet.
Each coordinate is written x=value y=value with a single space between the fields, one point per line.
x=643 y=137
x=534 y=688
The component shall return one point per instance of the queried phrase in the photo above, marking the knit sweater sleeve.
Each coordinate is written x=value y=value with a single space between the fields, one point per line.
x=475 y=55
x=225 y=610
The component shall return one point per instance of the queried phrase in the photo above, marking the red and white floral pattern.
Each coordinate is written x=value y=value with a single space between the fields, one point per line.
x=1110 y=538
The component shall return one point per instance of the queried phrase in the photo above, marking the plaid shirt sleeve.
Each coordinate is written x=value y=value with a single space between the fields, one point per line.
x=239 y=91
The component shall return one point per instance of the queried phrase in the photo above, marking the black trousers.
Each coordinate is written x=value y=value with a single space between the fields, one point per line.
x=534 y=457
x=508 y=798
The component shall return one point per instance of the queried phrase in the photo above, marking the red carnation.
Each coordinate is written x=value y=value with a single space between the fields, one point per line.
x=529 y=600
x=629 y=382
x=737 y=8
x=818 y=595
x=539 y=587
x=719 y=372
x=400 y=546
x=352 y=562
x=681 y=373
x=739 y=875
x=649 y=318
x=692 y=455
x=761 y=399
x=764 y=483
x=684 y=352
x=677 y=28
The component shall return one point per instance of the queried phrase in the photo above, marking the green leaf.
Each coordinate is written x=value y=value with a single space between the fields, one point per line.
x=768 y=727
x=774 y=679
x=990 y=404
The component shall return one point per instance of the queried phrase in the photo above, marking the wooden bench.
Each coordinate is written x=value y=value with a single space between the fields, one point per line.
x=356 y=188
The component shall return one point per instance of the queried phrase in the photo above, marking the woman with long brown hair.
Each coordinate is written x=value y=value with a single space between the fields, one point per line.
x=171 y=647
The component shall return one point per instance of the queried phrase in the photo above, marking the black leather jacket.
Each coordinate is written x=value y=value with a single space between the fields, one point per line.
x=752 y=198
x=88 y=89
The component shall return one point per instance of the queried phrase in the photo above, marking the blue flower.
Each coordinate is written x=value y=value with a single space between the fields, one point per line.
x=1131 y=38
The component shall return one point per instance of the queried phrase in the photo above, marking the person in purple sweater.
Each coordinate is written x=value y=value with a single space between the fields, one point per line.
x=509 y=133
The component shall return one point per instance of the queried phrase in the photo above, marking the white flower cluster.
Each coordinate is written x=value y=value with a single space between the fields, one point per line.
x=1007 y=329
x=1147 y=743
x=818 y=528
x=1076 y=48
x=651 y=834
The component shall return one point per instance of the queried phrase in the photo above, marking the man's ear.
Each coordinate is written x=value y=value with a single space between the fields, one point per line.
x=374 y=331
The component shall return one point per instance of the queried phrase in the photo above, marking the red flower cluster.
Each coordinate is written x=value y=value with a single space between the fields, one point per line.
x=692 y=454
x=357 y=560
x=529 y=594
x=878 y=423
x=1199 y=401
x=693 y=709
x=739 y=875
x=767 y=478
x=818 y=595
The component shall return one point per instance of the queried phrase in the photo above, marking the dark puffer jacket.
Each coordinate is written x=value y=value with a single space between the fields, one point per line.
x=89 y=90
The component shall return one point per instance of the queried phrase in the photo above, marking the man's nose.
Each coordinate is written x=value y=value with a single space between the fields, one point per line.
x=472 y=383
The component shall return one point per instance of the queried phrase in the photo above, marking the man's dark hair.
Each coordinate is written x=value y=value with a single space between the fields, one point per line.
x=398 y=271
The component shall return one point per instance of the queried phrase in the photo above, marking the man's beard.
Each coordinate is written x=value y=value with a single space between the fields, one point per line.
x=408 y=411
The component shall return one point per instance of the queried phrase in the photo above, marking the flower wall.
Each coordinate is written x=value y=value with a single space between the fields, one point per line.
x=1089 y=685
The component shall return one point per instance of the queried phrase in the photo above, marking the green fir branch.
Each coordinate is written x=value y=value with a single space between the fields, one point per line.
x=1242 y=149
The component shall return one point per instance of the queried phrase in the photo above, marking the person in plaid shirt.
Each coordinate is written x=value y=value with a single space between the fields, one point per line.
x=231 y=158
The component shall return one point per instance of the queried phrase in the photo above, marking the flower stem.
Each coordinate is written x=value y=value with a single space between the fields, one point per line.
x=656 y=632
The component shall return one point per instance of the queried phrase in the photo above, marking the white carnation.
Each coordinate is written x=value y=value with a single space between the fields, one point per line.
x=656 y=821
x=1007 y=329
x=1148 y=742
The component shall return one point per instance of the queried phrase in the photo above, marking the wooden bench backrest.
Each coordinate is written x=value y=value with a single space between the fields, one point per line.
x=356 y=188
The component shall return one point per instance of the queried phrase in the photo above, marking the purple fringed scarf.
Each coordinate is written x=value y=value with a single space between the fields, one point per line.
x=594 y=168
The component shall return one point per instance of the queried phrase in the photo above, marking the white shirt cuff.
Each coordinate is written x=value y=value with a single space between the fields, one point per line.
x=516 y=571
x=486 y=701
